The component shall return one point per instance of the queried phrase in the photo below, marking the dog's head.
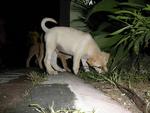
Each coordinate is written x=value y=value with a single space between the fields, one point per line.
x=99 y=62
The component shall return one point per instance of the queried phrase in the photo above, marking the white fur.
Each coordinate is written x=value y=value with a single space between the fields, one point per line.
x=73 y=42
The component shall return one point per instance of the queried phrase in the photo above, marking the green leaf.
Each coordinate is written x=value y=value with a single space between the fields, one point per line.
x=107 y=42
x=138 y=42
x=147 y=8
x=136 y=47
x=131 y=44
x=121 y=30
x=120 y=55
x=122 y=17
x=131 y=4
x=127 y=12
x=104 y=5
x=114 y=17
x=137 y=1
x=124 y=39
x=147 y=38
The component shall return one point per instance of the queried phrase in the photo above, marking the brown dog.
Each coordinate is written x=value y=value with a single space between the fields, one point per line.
x=36 y=49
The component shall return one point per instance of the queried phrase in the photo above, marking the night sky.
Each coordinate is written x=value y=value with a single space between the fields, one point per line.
x=16 y=20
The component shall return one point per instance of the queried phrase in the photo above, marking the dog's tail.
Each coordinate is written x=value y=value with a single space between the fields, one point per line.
x=44 y=20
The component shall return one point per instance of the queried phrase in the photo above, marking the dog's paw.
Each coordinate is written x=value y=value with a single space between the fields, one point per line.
x=55 y=72
x=52 y=72
x=75 y=71
x=62 y=70
x=68 y=70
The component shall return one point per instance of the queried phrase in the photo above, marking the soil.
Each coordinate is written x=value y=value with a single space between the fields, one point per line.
x=142 y=89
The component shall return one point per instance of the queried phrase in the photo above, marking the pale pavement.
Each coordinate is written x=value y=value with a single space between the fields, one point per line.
x=62 y=91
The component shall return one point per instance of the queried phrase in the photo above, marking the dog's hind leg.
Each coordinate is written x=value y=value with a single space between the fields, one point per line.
x=54 y=63
x=29 y=59
x=40 y=62
x=41 y=56
x=63 y=59
x=47 y=61
x=28 y=62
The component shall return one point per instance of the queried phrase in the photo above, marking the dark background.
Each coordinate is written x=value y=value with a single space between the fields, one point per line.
x=17 y=19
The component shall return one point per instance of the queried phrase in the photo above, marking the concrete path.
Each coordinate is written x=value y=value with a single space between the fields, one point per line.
x=62 y=91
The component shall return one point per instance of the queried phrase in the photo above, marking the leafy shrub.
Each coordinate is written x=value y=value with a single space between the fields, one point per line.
x=123 y=30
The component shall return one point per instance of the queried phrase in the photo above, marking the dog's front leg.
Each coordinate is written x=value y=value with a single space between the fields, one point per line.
x=85 y=65
x=47 y=62
x=76 y=64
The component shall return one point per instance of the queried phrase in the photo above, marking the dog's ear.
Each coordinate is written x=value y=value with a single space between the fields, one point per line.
x=91 y=61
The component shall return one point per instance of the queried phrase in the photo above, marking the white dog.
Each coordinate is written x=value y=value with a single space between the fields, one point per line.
x=73 y=42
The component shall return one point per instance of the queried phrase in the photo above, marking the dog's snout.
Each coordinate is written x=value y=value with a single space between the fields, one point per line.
x=101 y=69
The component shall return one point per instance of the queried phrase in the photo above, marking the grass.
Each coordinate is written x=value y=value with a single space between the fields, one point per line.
x=132 y=79
x=93 y=76
x=119 y=76
x=50 y=109
x=37 y=77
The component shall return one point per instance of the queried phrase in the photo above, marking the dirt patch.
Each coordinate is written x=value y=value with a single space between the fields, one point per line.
x=13 y=92
x=141 y=89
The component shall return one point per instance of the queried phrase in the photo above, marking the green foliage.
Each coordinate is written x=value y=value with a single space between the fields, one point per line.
x=130 y=77
x=124 y=32
x=147 y=8
x=131 y=37
x=78 y=13
x=136 y=34
x=110 y=77
x=104 y=5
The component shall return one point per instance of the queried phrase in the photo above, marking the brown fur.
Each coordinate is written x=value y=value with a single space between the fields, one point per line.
x=36 y=49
